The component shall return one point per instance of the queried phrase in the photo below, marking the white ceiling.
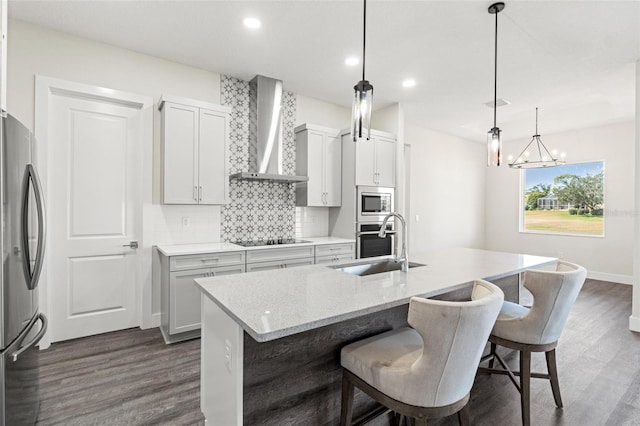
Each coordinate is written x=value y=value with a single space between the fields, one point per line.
x=573 y=59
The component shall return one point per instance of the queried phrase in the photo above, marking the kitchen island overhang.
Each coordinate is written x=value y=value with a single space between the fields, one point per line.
x=271 y=340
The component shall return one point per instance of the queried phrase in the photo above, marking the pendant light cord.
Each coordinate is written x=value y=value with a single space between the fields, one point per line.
x=536 y=120
x=364 y=36
x=495 y=73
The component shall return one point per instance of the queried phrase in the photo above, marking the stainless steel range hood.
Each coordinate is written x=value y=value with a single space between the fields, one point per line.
x=265 y=133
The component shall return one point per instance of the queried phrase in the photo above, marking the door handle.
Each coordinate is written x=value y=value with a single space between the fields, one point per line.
x=132 y=244
x=43 y=329
x=32 y=276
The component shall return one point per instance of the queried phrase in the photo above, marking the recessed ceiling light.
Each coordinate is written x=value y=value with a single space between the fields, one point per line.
x=408 y=83
x=352 y=61
x=252 y=23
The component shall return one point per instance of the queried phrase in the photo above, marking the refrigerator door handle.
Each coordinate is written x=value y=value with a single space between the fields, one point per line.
x=32 y=276
x=42 y=317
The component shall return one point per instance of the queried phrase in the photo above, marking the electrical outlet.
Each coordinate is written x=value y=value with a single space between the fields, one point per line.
x=228 y=358
x=186 y=222
x=417 y=218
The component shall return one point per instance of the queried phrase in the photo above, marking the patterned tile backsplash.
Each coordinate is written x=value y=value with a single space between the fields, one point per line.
x=258 y=210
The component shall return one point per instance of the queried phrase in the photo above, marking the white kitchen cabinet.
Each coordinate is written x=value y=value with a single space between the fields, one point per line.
x=318 y=156
x=195 y=145
x=375 y=161
x=276 y=258
x=333 y=254
x=180 y=297
x=279 y=264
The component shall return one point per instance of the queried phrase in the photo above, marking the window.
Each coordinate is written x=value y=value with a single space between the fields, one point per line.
x=567 y=199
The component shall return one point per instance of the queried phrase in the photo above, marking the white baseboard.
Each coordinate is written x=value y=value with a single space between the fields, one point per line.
x=155 y=322
x=634 y=323
x=613 y=278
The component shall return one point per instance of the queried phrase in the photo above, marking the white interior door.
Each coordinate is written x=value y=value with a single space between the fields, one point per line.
x=95 y=158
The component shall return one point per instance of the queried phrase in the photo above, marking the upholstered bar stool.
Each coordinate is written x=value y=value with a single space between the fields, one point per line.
x=536 y=329
x=425 y=371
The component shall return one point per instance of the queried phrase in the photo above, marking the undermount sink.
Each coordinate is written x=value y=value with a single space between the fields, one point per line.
x=378 y=267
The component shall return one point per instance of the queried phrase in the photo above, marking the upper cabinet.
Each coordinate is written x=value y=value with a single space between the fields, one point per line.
x=375 y=160
x=318 y=156
x=195 y=145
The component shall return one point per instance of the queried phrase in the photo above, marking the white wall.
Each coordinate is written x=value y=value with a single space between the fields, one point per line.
x=607 y=258
x=447 y=191
x=315 y=111
x=634 y=319
x=35 y=50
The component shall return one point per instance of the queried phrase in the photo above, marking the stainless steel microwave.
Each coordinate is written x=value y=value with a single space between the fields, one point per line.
x=374 y=203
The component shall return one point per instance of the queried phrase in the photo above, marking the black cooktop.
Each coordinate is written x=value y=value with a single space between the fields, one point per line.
x=270 y=242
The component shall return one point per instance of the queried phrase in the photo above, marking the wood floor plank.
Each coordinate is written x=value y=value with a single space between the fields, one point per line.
x=131 y=377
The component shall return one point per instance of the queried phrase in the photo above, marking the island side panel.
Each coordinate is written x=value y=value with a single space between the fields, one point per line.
x=221 y=366
x=297 y=379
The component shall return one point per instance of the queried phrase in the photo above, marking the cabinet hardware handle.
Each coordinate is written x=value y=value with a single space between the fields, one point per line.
x=195 y=193
x=200 y=193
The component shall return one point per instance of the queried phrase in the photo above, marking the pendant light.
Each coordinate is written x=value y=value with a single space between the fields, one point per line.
x=494 y=144
x=544 y=158
x=363 y=99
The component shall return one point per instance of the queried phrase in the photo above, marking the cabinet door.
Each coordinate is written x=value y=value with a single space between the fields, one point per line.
x=180 y=154
x=333 y=171
x=386 y=162
x=184 y=300
x=365 y=162
x=184 y=309
x=315 y=169
x=213 y=177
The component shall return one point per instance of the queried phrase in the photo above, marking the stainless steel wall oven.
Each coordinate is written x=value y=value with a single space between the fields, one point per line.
x=369 y=244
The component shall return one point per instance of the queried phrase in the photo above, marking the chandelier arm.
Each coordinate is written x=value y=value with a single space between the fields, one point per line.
x=545 y=148
x=520 y=156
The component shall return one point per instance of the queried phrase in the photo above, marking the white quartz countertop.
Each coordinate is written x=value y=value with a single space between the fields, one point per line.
x=277 y=303
x=203 y=248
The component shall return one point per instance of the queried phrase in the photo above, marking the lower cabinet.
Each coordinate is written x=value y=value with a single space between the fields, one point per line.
x=335 y=254
x=180 y=297
x=180 y=317
x=277 y=258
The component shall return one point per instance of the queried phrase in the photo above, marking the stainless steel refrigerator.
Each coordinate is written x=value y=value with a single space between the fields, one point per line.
x=23 y=239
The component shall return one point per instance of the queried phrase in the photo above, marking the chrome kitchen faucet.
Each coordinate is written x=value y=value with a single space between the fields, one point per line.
x=404 y=258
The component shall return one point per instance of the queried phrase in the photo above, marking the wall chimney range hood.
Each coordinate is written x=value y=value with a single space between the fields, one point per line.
x=265 y=133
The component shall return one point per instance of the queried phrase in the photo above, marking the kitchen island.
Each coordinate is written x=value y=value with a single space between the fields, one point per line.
x=271 y=340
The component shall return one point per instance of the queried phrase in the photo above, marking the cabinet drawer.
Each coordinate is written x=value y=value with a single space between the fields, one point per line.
x=334 y=249
x=205 y=260
x=335 y=259
x=266 y=255
x=279 y=264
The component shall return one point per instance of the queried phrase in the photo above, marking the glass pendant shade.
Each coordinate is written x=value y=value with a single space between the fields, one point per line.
x=494 y=147
x=362 y=106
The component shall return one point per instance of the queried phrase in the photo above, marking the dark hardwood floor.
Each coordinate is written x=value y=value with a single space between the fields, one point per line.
x=131 y=377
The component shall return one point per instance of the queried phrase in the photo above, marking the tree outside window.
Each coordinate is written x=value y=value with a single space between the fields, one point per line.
x=567 y=199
